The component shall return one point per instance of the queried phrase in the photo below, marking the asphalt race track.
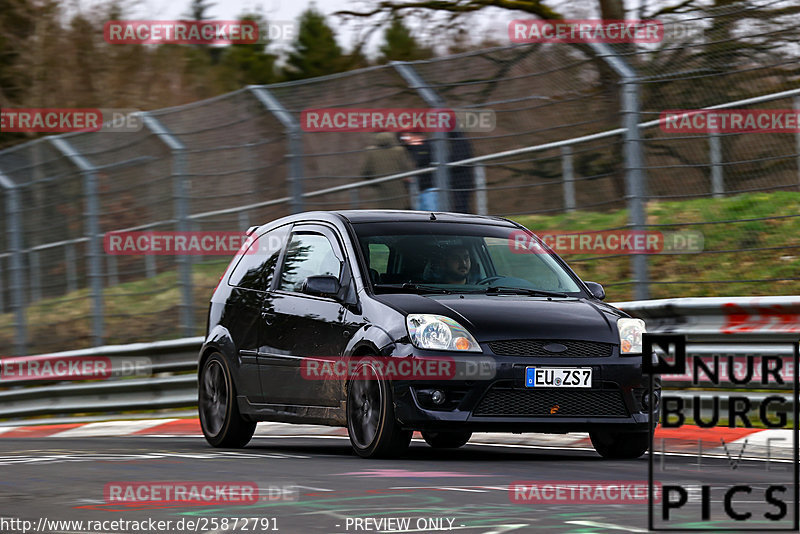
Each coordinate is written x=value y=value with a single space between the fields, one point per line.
x=465 y=490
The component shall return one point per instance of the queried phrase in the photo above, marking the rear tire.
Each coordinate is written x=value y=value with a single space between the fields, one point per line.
x=371 y=424
x=620 y=445
x=446 y=440
x=220 y=419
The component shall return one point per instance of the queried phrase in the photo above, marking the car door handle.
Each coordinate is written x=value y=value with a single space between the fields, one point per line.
x=267 y=316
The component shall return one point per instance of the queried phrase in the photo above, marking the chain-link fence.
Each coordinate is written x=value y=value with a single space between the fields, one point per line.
x=577 y=145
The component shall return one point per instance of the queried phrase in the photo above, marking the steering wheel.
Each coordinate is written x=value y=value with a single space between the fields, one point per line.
x=489 y=279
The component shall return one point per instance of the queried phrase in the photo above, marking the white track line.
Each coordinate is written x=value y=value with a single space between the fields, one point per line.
x=610 y=526
x=111 y=428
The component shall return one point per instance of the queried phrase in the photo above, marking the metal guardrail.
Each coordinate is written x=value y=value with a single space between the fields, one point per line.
x=720 y=325
x=722 y=319
x=172 y=383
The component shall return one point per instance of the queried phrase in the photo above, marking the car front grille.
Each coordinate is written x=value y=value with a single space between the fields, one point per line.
x=505 y=401
x=535 y=347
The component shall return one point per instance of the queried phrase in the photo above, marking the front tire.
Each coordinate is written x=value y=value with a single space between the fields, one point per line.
x=446 y=440
x=371 y=424
x=222 y=424
x=620 y=445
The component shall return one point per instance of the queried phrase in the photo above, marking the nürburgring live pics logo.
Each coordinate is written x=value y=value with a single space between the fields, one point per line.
x=722 y=492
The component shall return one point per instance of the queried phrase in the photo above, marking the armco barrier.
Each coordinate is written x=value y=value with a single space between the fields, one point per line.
x=722 y=319
x=720 y=325
x=725 y=326
x=172 y=383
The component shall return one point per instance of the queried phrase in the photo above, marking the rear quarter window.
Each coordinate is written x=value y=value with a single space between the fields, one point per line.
x=256 y=267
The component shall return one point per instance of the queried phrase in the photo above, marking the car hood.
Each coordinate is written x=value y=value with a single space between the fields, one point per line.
x=498 y=317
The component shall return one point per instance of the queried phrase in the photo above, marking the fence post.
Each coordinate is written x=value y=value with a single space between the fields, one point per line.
x=16 y=272
x=95 y=267
x=244 y=221
x=36 y=275
x=440 y=151
x=413 y=191
x=113 y=274
x=2 y=288
x=481 y=198
x=440 y=176
x=715 y=155
x=797 y=137
x=69 y=260
x=149 y=265
x=182 y=224
x=635 y=190
x=295 y=143
x=568 y=178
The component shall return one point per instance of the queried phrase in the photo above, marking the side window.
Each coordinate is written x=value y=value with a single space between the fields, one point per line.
x=308 y=254
x=379 y=257
x=257 y=265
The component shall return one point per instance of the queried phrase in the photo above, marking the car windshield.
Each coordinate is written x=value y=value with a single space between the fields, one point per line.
x=431 y=257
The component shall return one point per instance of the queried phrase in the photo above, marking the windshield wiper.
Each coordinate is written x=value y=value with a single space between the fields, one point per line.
x=524 y=291
x=419 y=288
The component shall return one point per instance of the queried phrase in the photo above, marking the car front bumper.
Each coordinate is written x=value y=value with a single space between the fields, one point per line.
x=502 y=402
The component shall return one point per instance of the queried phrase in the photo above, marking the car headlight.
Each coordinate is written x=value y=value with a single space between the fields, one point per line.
x=437 y=332
x=630 y=335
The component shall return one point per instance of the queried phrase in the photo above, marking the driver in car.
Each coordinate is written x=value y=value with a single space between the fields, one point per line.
x=455 y=265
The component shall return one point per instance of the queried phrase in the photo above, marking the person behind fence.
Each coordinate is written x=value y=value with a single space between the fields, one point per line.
x=419 y=147
x=462 y=181
x=386 y=157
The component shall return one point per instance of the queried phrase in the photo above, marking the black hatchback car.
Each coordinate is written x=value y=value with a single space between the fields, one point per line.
x=388 y=322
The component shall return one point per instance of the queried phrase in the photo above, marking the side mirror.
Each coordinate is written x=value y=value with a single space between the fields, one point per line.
x=322 y=286
x=596 y=290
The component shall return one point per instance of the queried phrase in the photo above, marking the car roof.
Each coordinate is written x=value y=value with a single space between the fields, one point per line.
x=377 y=216
x=373 y=216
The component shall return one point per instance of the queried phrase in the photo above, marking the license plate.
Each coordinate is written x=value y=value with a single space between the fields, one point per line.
x=558 y=377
